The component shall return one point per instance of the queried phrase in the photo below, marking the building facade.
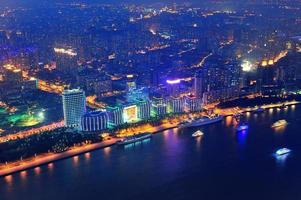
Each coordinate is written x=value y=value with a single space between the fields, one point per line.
x=74 y=107
x=94 y=121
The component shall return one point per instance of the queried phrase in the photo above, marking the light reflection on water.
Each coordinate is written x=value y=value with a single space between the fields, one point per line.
x=281 y=160
x=229 y=121
x=242 y=137
x=87 y=155
x=37 y=170
x=75 y=160
x=8 y=179
x=23 y=175
x=50 y=166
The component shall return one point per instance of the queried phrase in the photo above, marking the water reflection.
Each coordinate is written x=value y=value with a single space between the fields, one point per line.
x=199 y=142
x=8 y=179
x=50 y=166
x=37 y=170
x=107 y=151
x=75 y=160
x=87 y=155
x=280 y=130
x=229 y=121
x=281 y=159
x=242 y=137
x=248 y=114
x=271 y=110
x=23 y=175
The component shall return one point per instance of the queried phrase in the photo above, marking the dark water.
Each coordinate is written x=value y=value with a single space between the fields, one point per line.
x=173 y=165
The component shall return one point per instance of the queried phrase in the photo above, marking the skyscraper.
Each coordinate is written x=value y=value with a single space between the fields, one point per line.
x=74 y=106
x=173 y=87
x=198 y=85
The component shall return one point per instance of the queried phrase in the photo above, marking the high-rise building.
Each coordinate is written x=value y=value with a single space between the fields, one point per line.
x=144 y=109
x=198 y=85
x=66 y=60
x=159 y=106
x=193 y=104
x=176 y=105
x=173 y=87
x=74 y=107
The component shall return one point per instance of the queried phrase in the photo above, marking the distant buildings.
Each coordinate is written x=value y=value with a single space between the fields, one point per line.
x=74 y=107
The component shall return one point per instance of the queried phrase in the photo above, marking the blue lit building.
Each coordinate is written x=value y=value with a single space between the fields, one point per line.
x=74 y=107
x=144 y=109
x=176 y=105
x=193 y=104
x=115 y=115
x=95 y=121
x=159 y=106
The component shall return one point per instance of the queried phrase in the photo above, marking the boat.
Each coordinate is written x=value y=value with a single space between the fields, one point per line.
x=200 y=121
x=283 y=106
x=134 y=138
x=279 y=123
x=282 y=151
x=242 y=127
x=198 y=133
x=259 y=110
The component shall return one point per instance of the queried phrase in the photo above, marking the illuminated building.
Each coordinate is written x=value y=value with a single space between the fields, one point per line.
x=173 y=87
x=130 y=82
x=66 y=60
x=193 y=104
x=74 y=107
x=136 y=94
x=159 y=106
x=94 y=121
x=198 y=85
x=130 y=114
x=144 y=109
x=115 y=115
x=176 y=105
x=220 y=94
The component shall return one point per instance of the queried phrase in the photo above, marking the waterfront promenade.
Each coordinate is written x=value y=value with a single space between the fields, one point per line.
x=7 y=169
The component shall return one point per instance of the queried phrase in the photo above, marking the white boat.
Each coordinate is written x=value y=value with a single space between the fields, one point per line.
x=197 y=134
x=201 y=121
x=279 y=123
x=282 y=151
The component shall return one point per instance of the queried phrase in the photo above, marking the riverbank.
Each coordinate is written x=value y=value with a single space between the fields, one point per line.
x=168 y=124
x=43 y=159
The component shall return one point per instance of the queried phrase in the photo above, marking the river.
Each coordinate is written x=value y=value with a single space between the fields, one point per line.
x=223 y=164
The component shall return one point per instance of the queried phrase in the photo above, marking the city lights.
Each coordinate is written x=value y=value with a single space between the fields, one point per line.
x=247 y=66
x=175 y=81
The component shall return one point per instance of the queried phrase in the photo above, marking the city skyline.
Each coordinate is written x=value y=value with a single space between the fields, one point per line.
x=150 y=100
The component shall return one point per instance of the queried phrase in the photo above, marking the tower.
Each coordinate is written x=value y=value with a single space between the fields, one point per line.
x=74 y=107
